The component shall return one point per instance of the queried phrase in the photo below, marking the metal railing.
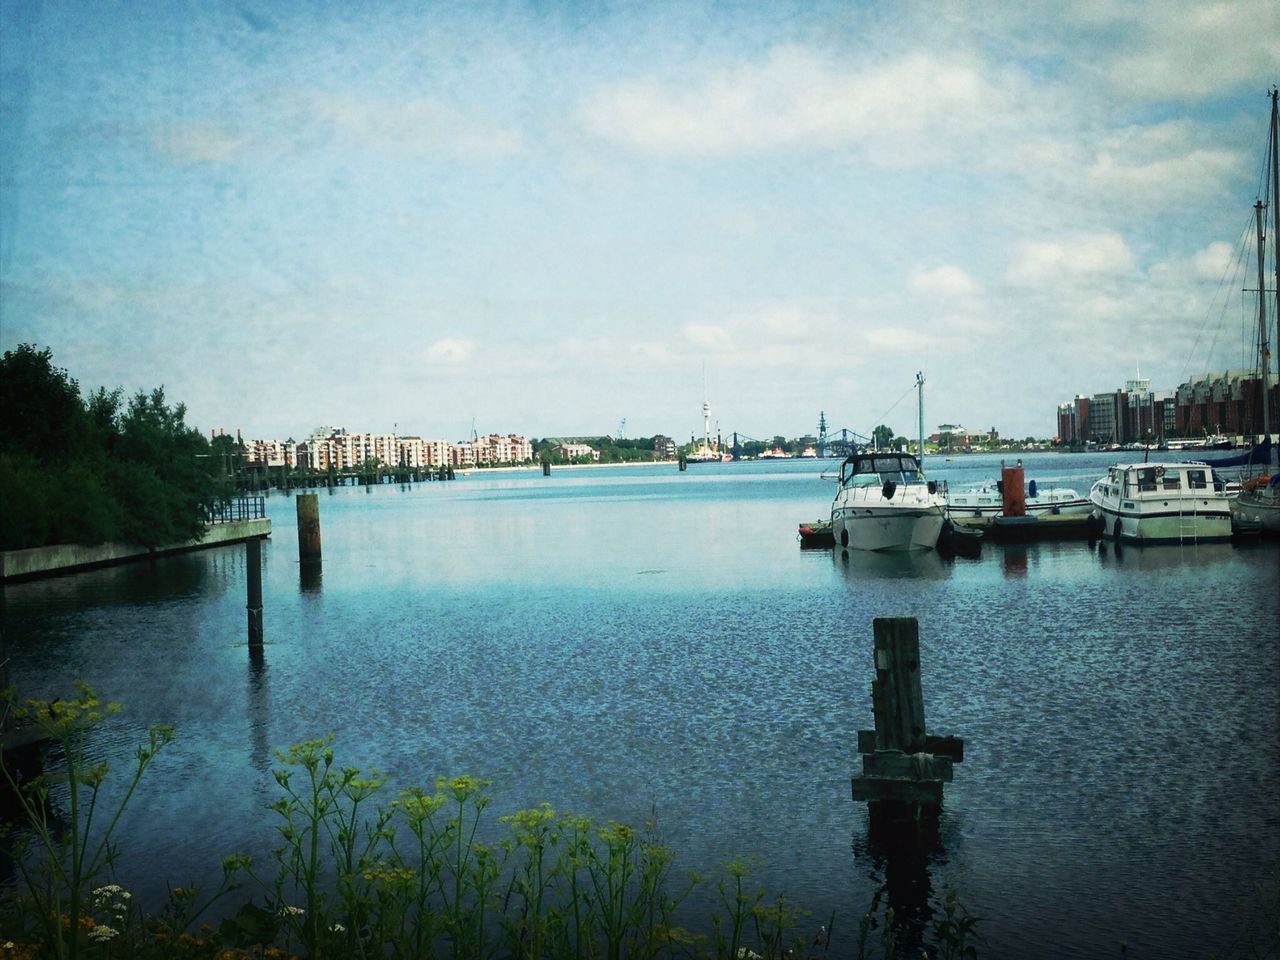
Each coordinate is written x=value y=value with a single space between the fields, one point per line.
x=240 y=508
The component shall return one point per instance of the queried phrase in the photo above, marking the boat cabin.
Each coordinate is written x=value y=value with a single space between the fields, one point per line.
x=1137 y=479
x=877 y=469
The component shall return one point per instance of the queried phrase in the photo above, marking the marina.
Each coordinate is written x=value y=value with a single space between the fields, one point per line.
x=578 y=646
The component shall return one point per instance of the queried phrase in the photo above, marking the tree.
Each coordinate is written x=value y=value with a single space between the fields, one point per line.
x=43 y=413
x=882 y=436
x=85 y=471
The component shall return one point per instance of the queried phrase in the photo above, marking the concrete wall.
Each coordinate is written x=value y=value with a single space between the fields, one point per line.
x=65 y=558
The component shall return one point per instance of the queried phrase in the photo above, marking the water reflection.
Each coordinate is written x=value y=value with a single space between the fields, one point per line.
x=258 y=701
x=310 y=576
x=1013 y=561
x=1167 y=556
x=873 y=565
x=140 y=582
x=899 y=851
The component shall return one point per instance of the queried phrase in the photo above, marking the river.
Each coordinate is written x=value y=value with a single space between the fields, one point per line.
x=621 y=641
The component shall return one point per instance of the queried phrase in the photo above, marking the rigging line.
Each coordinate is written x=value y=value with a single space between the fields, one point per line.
x=1233 y=270
x=894 y=405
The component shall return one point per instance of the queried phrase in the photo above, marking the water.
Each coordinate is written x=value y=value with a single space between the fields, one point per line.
x=621 y=641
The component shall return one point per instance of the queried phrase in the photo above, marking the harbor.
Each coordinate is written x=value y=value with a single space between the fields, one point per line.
x=639 y=642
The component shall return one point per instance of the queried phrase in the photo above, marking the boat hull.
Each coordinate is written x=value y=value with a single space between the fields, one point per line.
x=961 y=506
x=1260 y=507
x=888 y=530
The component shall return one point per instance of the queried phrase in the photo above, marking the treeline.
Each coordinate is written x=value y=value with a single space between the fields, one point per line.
x=95 y=468
x=611 y=450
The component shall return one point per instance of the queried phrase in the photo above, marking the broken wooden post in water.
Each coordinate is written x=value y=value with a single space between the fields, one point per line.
x=902 y=765
x=253 y=564
x=308 y=528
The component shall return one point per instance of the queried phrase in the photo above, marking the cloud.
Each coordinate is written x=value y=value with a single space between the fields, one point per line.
x=944 y=281
x=706 y=335
x=794 y=97
x=451 y=351
x=1094 y=255
x=1159 y=161
x=1213 y=261
x=898 y=339
x=1196 y=49
x=197 y=142
x=415 y=126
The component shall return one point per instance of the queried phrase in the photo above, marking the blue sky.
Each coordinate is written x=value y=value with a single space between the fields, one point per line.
x=546 y=217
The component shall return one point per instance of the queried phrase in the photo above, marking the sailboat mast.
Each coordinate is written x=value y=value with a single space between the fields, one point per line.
x=1260 y=210
x=1275 y=256
x=920 y=413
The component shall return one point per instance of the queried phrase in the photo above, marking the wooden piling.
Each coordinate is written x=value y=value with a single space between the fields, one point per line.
x=253 y=566
x=546 y=468
x=308 y=505
x=901 y=763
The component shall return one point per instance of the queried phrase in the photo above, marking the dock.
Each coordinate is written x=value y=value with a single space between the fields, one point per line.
x=1031 y=528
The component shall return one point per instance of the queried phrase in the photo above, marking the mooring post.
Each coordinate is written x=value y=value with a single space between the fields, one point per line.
x=308 y=528
x=546 y=468
x=901 y=763
x=253 y=565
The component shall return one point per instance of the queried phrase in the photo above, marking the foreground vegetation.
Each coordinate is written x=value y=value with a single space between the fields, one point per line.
x=90 y=469
x=357 y=876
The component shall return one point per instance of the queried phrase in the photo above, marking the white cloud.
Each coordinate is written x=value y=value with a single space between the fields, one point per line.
x=451 y=351
x=1212 y=262
x=1157 y=162
x=1095 y=255
x=1196 y=49
x=197 y=142
x=414 y=126
x=706 y=335
x=898 y=339
x=795 y=97
x=945 y=281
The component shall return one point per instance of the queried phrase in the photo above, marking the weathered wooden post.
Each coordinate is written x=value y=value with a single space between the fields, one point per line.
x=253 y=565
x=546 y=468
x=901 y=764
x=684 y=463
x=308 y=527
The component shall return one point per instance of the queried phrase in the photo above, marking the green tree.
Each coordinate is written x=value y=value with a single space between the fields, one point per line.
x=43 y=413
x=883 y=436
x=76 y=470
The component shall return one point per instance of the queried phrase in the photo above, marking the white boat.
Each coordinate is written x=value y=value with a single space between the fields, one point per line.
x=986 y=499
x=1166 y=502
x=883 y=501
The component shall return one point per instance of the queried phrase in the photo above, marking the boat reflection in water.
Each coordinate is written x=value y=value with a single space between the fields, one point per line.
x=872 y=565
x=1171 y=557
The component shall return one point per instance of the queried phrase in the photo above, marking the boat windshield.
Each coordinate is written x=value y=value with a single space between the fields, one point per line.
x=866 y=470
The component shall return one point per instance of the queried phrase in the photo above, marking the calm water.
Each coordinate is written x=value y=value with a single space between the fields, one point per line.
x=616 y=640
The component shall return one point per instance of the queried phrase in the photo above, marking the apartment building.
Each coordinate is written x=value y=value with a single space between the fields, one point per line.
x=338 y=450
x=1228 y=402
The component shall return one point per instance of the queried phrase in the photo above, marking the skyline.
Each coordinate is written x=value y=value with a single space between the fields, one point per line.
x=464 y=214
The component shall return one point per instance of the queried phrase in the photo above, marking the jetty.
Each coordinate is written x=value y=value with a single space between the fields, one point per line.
x=235 y=521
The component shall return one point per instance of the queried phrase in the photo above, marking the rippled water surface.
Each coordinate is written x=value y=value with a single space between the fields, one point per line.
x=618 y=641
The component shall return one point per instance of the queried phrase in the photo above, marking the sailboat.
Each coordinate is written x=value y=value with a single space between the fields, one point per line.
x=885 y=503
x=1258 y=504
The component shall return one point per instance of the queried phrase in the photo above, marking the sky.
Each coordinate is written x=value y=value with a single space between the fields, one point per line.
x=567 y=219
